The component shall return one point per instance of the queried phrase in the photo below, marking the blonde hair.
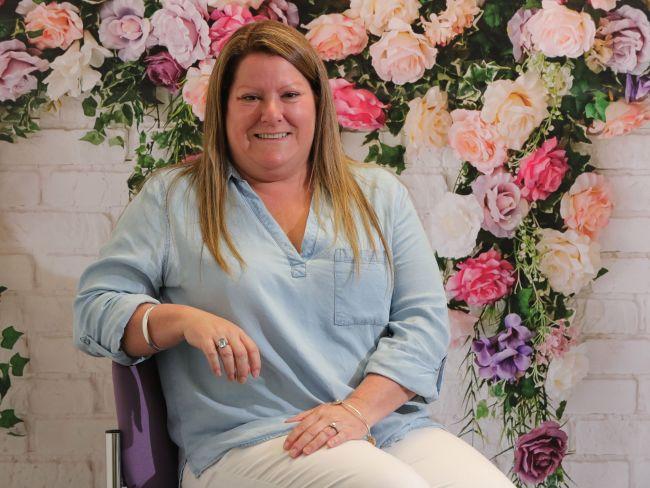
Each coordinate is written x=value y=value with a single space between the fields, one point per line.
x=330 y=176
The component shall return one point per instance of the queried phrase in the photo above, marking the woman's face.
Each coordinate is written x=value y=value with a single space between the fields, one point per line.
x=271 y=117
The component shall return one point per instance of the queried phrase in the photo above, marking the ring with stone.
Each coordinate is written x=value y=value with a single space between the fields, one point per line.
x=221 y=343
x=333 y=426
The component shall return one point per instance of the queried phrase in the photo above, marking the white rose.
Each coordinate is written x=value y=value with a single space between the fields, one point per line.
x=72 y=72
x=516 y=107
x=455 y=222
x=569 y=260
x=427 y=123
x=566 y=372
x=376 y=14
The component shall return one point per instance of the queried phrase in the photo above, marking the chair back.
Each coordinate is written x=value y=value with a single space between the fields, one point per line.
x=149 y=457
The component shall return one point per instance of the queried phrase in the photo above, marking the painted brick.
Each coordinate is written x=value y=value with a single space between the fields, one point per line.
x=17 y=271
x=45 y=313
x=626 y=235
x=644 y=395
x=592 y=396
x=620 y=437
x=640 y=474
x=54 y=232
x=61 y=397
x=53 y=355
x=37 y=150
x=619 y=356
x=19 y=189
x=627 y=152
x=606 y=316
x=75 y=440
x=599 y=474
x=60 y=273
x=630 y=275
x=63 y=474
x=68 y=115
x=85 y=190
x=630 y=194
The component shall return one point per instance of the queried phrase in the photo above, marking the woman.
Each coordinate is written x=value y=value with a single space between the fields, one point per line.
x=276 y=257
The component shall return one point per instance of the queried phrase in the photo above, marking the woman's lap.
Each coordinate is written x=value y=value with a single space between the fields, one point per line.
x=425 y=458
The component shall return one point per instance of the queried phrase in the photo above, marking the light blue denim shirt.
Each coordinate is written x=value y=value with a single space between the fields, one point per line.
x=320 y=329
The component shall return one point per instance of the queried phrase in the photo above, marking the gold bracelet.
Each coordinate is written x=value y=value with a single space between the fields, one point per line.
x=347 y=406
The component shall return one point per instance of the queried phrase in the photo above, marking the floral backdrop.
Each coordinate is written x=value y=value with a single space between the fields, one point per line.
x=512 y=87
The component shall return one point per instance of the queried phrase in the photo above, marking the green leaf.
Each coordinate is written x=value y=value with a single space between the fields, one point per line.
x=89 y=106
x=601 y=272
x=93 y=137
x=560 y=410
x=116 y=141
x=8 y=418
x=2 y=289
x=532 y=4
x=482 y=410
x=33 y=34
x=9 y=337
x=527 y=388
x=523 y=300
x=496 y=390
x=5 y=379
x=492 y=15
x=18 y=364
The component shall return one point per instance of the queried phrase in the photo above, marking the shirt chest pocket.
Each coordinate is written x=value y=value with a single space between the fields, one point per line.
x=361 y=298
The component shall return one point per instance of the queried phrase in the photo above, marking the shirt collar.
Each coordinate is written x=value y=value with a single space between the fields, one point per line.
x=231 y=172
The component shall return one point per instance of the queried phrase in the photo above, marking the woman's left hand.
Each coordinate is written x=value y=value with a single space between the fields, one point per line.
x=314 y=430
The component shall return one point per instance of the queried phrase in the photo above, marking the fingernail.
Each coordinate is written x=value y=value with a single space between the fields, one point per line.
x=256 y=373
x=293 y=452
x=306 y=450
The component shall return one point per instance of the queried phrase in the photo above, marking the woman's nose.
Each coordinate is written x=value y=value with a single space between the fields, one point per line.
x=271 y=110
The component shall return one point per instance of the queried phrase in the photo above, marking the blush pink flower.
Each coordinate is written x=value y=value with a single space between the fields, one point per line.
x=475 y=141
x=557 y=343
x=124 y=27
x=226 y=21
x=336 y=36
x=518 y=32
x=60 y=23
x=195 y=89
x=356 y=108
x=540 y=452
x=587 y=206
x=626 y=31
x=458 y=16
x=541 y=172
x=503 y=206
x=621 y=117
x=481 y=280
x=16 y=68
x=603 y=4
x=461 y=326
x=281 y=10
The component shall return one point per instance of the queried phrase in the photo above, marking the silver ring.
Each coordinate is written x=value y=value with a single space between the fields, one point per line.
x=333 y=426
x=221 y=343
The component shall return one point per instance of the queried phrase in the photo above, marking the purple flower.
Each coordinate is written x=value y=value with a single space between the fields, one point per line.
x=636 y=87
x=630 y=35
x=484 y=349
x=540 y=452
x=163 y=70
x=124 y=27
x=503 y=206
x=181 y=27
x=510 y=363
x=518 y=33
x=515 y=334
x=16 y=66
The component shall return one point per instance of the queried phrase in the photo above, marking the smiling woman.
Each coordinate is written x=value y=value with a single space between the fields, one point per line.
x=319 y=283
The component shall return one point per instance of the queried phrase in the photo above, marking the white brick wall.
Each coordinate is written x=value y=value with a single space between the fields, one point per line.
x=58 y=207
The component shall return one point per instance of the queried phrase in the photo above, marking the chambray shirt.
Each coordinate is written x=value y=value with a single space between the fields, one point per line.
x=319 y=327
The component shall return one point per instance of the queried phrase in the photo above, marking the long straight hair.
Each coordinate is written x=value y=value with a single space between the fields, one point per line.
x=331 y=175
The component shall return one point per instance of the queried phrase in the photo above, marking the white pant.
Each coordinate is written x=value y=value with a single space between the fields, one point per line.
x=428 y=457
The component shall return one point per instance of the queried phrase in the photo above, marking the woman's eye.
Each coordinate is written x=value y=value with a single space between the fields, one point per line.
x=292 y=94
x=249 y=98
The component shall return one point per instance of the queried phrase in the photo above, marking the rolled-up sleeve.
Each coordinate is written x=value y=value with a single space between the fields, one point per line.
x=414 y=350
x=129 y=272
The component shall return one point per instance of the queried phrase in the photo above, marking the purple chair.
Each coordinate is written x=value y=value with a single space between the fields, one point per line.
x=145 y=455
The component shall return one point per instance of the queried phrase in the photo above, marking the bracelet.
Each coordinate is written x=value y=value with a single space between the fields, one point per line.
x=145 y=330
x=347 y=406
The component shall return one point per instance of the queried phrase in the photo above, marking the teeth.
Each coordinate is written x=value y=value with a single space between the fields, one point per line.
x=272 y=136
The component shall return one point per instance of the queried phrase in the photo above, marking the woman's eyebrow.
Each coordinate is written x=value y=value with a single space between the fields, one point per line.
x=248 y=87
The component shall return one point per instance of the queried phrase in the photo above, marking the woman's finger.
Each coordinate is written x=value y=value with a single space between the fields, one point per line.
x=212 y=356
x=338 y=439
x=299 y=430
x=320 y=440
x=241 y=360
x=300 y=416
x=308 y=436
x=254 y=359
x=228 y=360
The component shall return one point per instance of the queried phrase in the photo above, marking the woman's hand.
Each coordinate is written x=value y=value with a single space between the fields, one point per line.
x=314 y=431
x=240 y=357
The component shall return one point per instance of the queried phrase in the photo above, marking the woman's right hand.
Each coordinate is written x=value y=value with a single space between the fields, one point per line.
x=240 y=357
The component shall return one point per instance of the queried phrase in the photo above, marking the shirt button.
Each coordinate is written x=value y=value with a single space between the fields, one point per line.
x=299 y=270
x=85 y=340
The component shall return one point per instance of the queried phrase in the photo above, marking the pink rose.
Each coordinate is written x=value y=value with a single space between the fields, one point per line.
x=482 y=280
x=16 y=66
x=163 y=70
x=124 y=27
x=461 y=326
x=556 y=30
x=356 y=108
x=195 y=89
x=541 y=172
x=621 y=117
x=557 y=343
x=335 y=36
x=603 y=4
x=226 y=22
x=540 y=452
x=475 y=141
x=401 y=55
x=627 y=31
x=458 y=16
x=281 y=10
x=60 y=23
x=180 y=26
x=503 y=205
x=518 y=32
x=587 y=206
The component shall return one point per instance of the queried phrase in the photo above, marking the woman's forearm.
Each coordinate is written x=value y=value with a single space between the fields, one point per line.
x=165 y=325
x=377 y=396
